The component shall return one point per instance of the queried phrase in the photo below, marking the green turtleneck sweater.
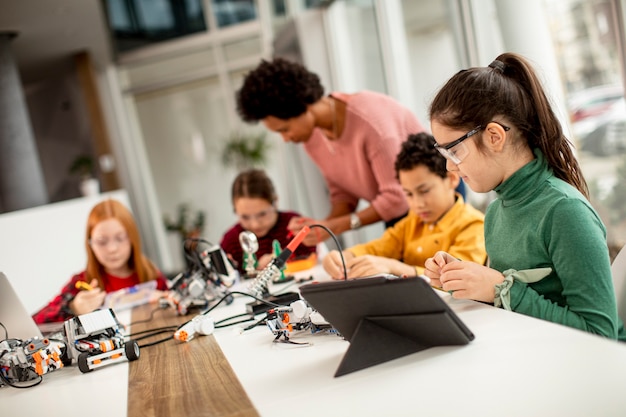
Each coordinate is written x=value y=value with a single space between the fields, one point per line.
x=540 y=221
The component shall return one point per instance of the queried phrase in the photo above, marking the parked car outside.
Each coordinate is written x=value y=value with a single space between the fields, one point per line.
x=609 y=136
x=598 y=117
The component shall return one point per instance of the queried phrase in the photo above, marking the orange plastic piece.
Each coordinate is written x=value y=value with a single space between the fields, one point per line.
x=38 y=363
x=301 y=264
x=106 y=345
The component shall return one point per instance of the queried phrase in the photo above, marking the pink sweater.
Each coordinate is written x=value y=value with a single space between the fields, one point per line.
x=360 y=164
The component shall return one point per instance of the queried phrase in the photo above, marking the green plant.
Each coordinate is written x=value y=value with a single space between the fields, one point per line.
x=185 y=224
x=83 y=166
x=245 y=150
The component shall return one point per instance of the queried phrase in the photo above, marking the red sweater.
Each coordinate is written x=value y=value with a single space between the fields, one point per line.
x=57 y=310
x=231 y=246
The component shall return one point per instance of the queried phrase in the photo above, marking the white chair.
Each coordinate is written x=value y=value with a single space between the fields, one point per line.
x=618 y=269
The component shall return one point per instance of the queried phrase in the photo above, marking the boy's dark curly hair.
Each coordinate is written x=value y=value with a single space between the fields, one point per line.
x=418 y=150
x=278 y=88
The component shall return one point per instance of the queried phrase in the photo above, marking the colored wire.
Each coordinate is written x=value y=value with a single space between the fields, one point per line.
x=343 y=261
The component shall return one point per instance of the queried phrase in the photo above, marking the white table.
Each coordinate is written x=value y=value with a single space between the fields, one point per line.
x=516 y=366
x=69 y=392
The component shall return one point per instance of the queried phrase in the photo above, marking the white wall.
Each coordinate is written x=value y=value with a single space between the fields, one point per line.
x=42 y=247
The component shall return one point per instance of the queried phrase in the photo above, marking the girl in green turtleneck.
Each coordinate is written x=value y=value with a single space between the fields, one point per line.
x=548 y=256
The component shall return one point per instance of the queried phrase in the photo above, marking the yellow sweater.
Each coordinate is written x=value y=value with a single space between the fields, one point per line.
x=459 y=232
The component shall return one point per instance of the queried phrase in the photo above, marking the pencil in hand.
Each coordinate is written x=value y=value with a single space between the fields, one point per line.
x=82 y=285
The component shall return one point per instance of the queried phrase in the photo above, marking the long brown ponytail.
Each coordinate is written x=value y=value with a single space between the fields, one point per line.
x=509 y=87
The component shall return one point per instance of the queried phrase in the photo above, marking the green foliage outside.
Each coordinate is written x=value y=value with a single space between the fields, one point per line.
x=245 y=150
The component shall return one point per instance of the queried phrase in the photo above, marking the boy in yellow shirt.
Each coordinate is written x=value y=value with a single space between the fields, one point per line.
x=438 y=219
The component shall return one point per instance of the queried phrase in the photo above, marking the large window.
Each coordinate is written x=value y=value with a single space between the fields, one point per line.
x=586 y=42
x=137 y=23
x=230 y=12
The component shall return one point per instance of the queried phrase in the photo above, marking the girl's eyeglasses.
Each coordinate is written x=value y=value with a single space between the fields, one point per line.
x=260 y=217
x=456 y=150
x=104 y=242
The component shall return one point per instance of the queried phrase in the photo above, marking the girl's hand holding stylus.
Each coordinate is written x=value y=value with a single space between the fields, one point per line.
x=87 y=301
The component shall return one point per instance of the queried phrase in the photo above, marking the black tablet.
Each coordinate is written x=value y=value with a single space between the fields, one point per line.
x=385 y=318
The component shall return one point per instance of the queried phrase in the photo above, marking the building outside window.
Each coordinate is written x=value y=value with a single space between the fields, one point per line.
x=137 y=23
x=586 y=39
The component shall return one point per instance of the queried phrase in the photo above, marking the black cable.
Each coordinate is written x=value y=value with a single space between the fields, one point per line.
x=269 y=303
x=156 y=342
x=6 y=332
x=343 y=261
x=153 y=334
x=253 y=325
x=11 y=384
x=233 y=317
x=158 y=330
x=233 y=323
x=148 y=319
x=169 y=328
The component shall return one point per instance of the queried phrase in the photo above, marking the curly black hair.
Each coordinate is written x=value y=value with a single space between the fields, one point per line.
x=278 y=88
x=418 y=150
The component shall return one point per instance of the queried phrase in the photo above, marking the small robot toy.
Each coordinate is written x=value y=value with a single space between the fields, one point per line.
x=24 y=361
x=282 y=321
x=208 y=276
x=95 y=340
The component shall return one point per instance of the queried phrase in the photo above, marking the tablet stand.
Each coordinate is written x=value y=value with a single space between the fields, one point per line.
x=378 y=339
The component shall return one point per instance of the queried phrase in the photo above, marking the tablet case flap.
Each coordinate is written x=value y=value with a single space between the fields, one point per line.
x=379 y=339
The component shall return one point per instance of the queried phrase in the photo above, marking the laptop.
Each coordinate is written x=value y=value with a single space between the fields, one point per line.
x=385 y=318
x=13 y=315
